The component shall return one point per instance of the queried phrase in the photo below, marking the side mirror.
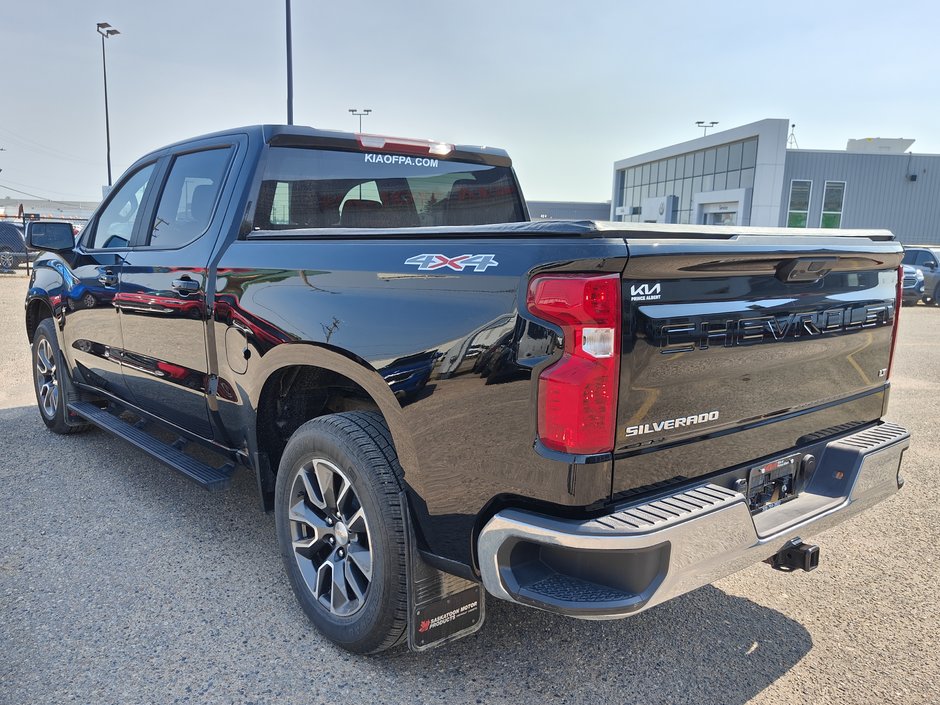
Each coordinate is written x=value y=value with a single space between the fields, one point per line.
x=930 y=264
x=52 y=236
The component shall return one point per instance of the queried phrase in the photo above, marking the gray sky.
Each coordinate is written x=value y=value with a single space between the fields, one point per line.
x=566 y=87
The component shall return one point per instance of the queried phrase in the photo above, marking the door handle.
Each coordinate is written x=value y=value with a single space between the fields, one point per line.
x=185 y=286
x=107 y=278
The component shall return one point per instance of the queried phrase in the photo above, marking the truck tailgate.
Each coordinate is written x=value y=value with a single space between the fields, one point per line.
x=746 y=346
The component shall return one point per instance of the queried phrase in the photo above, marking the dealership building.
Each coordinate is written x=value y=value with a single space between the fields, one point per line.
x=568 y=210
x=748 y=176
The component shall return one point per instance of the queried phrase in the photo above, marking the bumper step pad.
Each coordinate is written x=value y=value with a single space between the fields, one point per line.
x=678 y=507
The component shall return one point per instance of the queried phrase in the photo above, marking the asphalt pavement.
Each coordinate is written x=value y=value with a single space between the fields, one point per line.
x=121 y=582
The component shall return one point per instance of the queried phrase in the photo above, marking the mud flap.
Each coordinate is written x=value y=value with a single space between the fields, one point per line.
x=68 y=392
x=442 y=607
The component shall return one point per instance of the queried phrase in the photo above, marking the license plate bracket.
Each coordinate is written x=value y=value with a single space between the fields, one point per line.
x=773 y=483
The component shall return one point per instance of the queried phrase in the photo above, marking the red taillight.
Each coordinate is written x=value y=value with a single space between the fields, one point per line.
x=898 y=303
x=577 y=407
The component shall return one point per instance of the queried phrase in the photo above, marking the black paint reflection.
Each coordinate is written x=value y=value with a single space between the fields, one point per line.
x=408 y=376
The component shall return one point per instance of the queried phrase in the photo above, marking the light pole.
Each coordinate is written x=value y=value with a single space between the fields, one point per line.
x=106 y=31
x=290 y=67
x=705 y=125
x=359 y=113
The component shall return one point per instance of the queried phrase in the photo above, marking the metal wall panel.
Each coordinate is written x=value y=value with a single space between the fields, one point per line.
x=878 y=192
x=568 y=210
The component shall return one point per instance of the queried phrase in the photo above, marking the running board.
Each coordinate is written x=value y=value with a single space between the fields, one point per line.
x=206 y=476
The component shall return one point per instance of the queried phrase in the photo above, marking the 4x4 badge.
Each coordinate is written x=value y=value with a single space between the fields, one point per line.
x=479 y=263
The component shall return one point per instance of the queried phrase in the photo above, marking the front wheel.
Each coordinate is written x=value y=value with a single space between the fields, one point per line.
x=7 y=260
x=341 y=531
x=47 y=380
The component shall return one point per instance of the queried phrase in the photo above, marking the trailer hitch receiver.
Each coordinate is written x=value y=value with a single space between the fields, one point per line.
x=796 y=555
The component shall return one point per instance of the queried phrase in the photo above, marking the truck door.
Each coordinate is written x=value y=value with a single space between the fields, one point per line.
x=162 y=291
x=91 y=335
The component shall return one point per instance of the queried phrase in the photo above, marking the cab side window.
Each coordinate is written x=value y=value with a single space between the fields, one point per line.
x=116 y=223
x=189 y=197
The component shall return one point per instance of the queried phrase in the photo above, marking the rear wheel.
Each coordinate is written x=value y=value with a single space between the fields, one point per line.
x=7 y=260
x=341 y=531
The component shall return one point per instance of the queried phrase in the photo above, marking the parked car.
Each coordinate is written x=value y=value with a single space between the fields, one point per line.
x=926 y=259
x=442 y=401
x=913 y=285
x=12 y=246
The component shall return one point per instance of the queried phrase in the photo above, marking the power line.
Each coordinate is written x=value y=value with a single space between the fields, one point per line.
x=66 y=194
x=52 y=154
x=34 y=146
x=34 y=195
x=26 y=140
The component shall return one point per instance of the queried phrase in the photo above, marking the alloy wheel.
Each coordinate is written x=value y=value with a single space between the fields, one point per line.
x=330 y=537
x=46 y=381
x=6 y=259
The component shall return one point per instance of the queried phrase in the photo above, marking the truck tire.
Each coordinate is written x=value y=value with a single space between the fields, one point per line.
x=47 y=380
x=341 y=531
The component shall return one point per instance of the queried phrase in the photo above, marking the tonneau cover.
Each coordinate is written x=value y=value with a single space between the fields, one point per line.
x=574 y=228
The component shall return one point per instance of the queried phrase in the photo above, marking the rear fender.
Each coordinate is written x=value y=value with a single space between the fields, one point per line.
x=360 y=372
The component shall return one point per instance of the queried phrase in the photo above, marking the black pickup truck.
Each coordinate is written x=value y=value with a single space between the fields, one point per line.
x=440 y=399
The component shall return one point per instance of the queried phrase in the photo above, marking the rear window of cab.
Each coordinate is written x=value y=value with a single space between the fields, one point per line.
x=316 y=188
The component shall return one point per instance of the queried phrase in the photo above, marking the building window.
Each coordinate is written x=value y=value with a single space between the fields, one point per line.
x=280 y=205
x=729 y=165
x=798 y=212
x=833 y=198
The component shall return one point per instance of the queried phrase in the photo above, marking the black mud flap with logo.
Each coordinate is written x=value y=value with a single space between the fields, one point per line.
x=442 y=607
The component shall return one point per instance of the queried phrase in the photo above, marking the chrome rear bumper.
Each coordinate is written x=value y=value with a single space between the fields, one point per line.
x=646 y=553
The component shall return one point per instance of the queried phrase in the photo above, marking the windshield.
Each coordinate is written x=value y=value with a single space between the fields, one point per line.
x=309 y=188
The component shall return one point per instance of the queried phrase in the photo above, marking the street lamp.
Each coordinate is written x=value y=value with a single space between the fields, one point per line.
x=705 y=125
x=106 y=31
x=359 y=114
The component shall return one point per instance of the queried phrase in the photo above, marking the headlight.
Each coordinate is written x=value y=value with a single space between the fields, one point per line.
x=919 y=273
